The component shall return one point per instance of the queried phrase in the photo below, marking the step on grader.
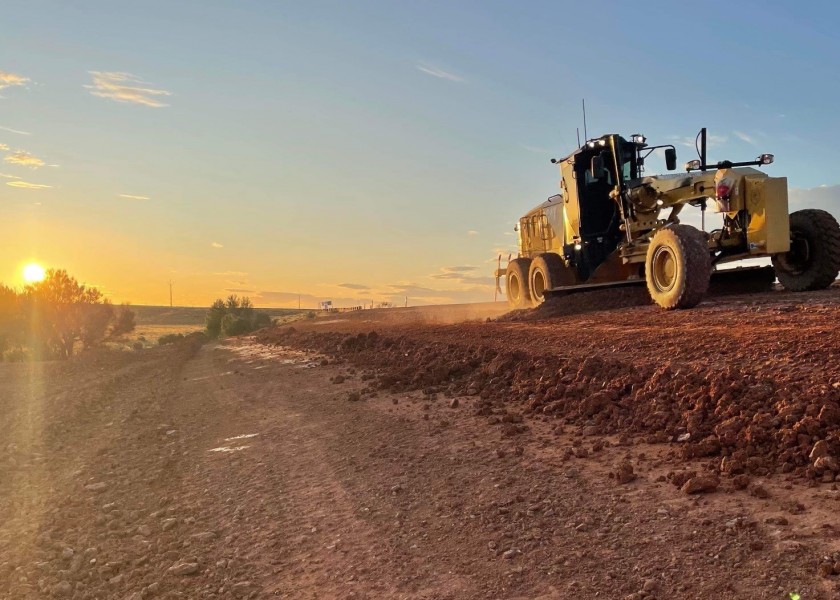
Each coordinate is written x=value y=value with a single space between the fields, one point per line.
x=612 y=226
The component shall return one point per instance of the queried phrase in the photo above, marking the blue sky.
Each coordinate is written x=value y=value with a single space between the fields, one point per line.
x=367 y=151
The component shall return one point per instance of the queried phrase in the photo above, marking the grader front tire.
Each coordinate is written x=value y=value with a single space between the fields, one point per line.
x=813 y=261
x=678 y=267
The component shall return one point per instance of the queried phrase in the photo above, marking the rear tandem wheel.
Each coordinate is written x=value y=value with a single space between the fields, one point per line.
x=517 y=289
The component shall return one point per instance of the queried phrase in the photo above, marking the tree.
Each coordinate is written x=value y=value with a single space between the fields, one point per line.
x=124 y=321
x=11 y=323
x=234 y=316
x=214 y=317
x=61 y=311
x=95 y=321
x=233 y=324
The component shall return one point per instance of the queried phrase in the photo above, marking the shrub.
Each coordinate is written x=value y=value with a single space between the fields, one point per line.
x=234 y=316
x=16 y=355
x=124 y=321
x=170 y=338
x=261 y=320
x=235 y=325
x=214 y=317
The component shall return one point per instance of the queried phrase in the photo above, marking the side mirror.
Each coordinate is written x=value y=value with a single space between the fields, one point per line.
x=670 y=158
x=597 y=167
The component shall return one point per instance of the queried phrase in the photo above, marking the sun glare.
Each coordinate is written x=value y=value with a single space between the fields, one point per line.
x=33 y=273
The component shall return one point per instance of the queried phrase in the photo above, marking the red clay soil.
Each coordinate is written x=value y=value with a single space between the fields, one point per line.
x=752 y=383
x=244 y=470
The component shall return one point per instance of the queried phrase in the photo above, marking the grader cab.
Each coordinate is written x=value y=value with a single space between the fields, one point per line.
x=611 y=225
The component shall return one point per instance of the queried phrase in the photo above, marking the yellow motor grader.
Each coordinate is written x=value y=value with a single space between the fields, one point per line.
x=611 y=225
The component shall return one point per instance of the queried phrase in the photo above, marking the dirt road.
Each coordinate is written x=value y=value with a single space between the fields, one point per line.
x=247 y=469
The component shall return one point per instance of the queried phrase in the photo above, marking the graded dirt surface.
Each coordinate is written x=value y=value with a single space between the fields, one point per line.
x=531 y=457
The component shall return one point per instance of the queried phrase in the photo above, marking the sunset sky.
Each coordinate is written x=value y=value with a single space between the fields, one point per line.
x=367 y=151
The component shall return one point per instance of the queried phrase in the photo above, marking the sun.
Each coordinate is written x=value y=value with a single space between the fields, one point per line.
x=33 y=273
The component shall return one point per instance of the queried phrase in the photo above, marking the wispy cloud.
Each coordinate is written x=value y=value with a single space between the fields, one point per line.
x=11 y=79
x=17 y=131
x=743 y=136
x=24 y=159
x=439 y=73
x=3 y=147
x=472 y=232
x=27 y=185
x=354 y=286
x=535 y=149
x=133 y=197
x=125 y=87
x=232 y=274
x=711 y=140
x=239 y=291
x=464 y=275
x=7 y=176
x=216 y=245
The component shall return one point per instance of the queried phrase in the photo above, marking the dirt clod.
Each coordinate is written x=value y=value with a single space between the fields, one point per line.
x=701 y=484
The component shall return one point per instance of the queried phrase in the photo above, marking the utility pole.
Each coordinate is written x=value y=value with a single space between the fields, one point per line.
x=170 y=293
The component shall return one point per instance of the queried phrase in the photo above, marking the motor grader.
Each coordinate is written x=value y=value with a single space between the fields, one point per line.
x=611 y=225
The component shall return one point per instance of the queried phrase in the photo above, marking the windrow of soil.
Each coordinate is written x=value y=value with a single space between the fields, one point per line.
x=741 y=421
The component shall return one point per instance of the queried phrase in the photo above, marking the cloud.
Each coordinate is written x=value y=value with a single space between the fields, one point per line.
x=7 y=176
x=535 y=149
x=18 y=131
x=439 y=73
x=10 y=79
x=232 y=274
x=239 y=291
x=826 y=197
x=472 y=232
x=3 y=147
x=216 y=245
x=125 y=87
x=27 y=185
x=132 y=197
x=24 y=159
x=464 y=276
x=743 y=136
x=354 y=286
x=711 y=140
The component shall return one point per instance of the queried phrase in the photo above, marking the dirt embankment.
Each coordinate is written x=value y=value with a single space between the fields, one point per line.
x=751 y=383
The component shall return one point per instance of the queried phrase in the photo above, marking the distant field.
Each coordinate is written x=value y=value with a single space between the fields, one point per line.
x=192 y=315
x=153 y=322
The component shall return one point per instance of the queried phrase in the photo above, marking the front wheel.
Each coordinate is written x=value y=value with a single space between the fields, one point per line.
x=517 y=290
x=546 y=272
x=813 y=261
x=678 y=267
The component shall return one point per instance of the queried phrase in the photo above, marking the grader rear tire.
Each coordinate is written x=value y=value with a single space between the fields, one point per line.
x=517 y=290
x=813 y=261
x=678 y=267
x=546 y=272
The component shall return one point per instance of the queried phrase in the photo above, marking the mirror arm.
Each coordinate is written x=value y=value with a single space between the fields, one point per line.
x=652 y=148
